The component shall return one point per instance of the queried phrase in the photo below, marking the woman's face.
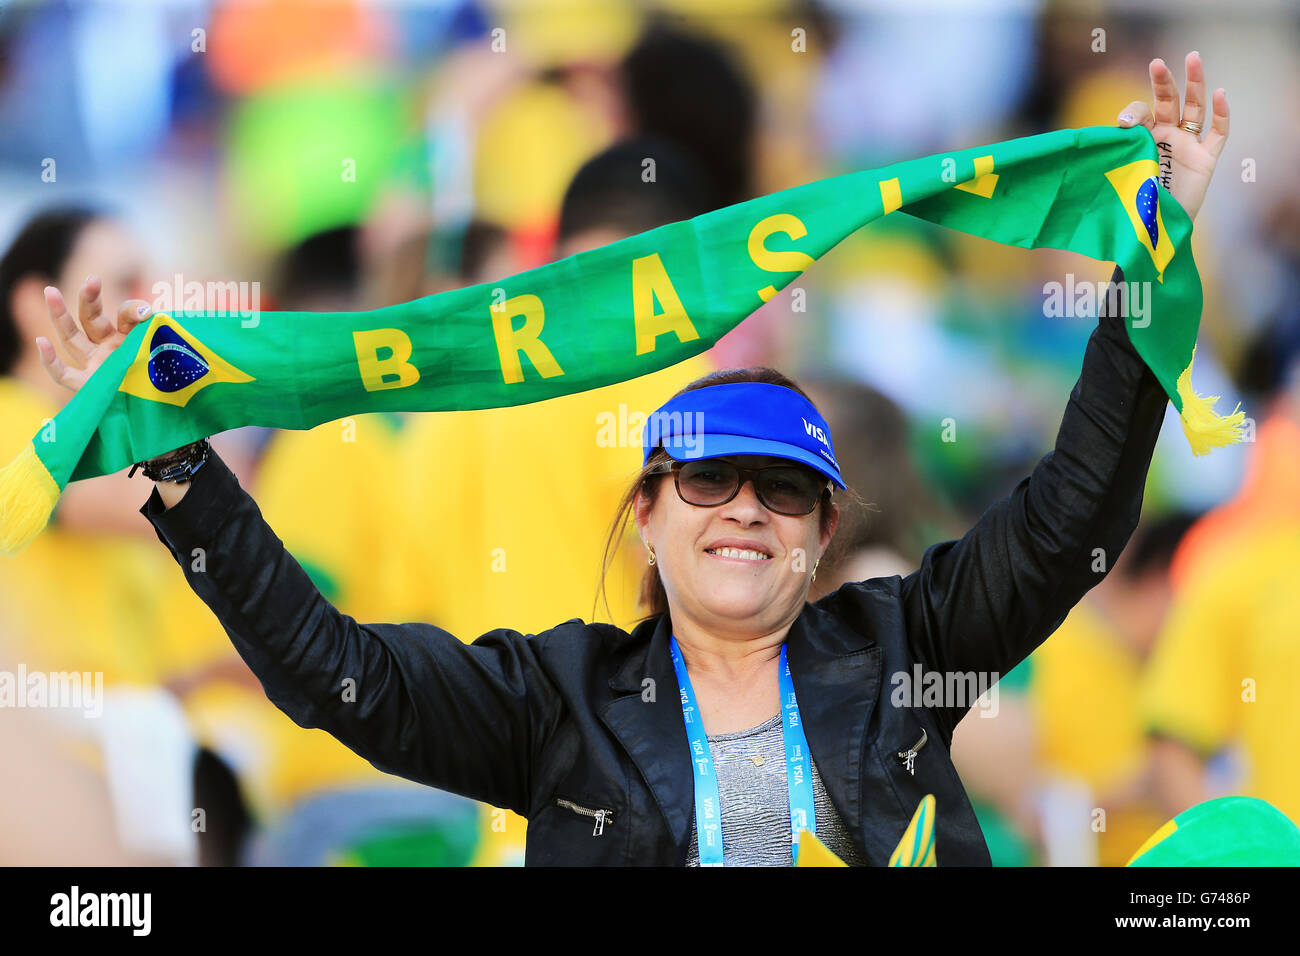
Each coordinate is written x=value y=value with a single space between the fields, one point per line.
x=106 y=249
x=733 y=594
x=103 y=248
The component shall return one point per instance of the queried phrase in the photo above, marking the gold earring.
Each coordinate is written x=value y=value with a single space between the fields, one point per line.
x=652 y=555
x=814 y=574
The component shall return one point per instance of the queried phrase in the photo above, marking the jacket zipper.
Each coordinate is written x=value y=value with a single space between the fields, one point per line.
x=601 y=816
x=909 y=756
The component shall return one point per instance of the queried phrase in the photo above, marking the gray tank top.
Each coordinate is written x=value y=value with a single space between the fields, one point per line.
x=750 y=765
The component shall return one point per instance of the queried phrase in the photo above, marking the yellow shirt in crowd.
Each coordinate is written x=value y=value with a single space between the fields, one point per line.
x=111 y=604
x=511 y=508
x=1084 y=691
x=73 y=601
x=1227 y=667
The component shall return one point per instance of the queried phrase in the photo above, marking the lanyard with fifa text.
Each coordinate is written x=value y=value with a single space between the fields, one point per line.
x=708 y=801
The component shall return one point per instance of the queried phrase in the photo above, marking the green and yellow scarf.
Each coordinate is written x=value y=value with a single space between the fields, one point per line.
x=618 y=312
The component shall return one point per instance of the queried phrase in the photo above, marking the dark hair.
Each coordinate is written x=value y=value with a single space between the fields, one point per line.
x=609 y=191
x=1270 y=363
x=1152 y=547
x=652 y=596
x=873 y=448
x=42 y=248
x=687 y=89
x=477 y=244
x=326 y=261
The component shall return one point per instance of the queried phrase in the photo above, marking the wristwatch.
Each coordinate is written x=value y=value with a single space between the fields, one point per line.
x=177 y=466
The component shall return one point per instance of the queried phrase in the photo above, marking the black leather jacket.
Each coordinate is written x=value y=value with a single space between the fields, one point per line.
x=585 y=717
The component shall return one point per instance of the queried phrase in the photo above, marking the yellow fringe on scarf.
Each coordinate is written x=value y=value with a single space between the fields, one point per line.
x=28 y=495
x=1204 y=427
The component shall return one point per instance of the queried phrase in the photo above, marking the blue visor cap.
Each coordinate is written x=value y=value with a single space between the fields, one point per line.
x=743 y=418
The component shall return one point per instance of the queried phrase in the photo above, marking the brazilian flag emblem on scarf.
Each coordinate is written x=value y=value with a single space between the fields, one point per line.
x=173 y=366
x=618 y=312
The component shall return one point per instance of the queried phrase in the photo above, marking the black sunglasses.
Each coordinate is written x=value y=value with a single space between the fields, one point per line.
x=786 y=489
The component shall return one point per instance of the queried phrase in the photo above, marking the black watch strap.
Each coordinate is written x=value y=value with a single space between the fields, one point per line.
x=177 y=466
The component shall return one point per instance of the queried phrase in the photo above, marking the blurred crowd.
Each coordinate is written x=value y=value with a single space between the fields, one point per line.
x=349 y=155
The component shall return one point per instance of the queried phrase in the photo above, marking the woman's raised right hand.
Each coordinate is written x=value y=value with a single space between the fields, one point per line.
x=90 y=338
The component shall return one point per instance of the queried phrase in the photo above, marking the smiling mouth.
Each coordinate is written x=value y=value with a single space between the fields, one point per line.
x=738 y=554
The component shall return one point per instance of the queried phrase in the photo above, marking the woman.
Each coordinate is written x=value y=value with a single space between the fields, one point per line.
x=93 y=537
x=59 y=246
x=601 y=738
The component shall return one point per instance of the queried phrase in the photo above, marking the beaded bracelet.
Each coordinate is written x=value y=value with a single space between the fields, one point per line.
x=177 y=466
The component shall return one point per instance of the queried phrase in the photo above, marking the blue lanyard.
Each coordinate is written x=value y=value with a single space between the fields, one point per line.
x=708 y=801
